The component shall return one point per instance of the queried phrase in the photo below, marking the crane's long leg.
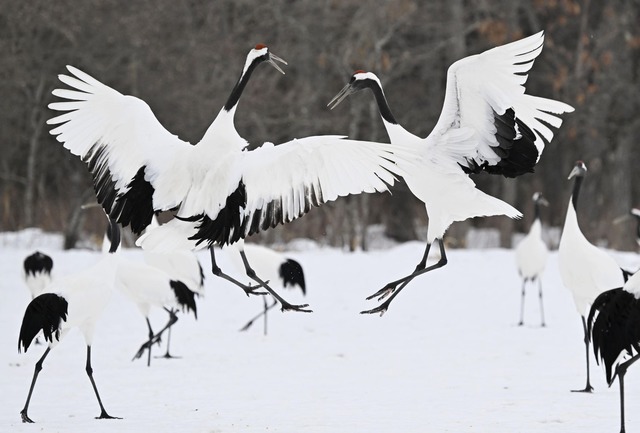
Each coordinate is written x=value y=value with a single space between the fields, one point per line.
x=621 y=371
x=168 y=355
x=524 y=283
x=156 y=338
x=150 y=337
x=89 y=369
x=259 y=315
x=542 y=322
x=588 y=387
x=23 y=412
x=390 y=289
x=285 y=305
x=215 y=269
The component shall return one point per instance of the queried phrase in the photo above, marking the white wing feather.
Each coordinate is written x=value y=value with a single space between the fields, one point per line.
x=493 y=81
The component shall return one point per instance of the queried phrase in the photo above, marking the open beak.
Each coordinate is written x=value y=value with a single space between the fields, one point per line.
x=342 y=94
x=273 y=59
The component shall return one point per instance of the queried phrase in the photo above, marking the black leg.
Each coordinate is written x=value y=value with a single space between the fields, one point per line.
x=150 y=337
x=285 y=305
x=391 y=291
x=621 y=370
x=23 y=412
x=168 y=355
x=156 y=338
x=103 y=412
x=215 y=269
x=588 y=387
x=524 y=283
x=256 y=317
x=542 y=322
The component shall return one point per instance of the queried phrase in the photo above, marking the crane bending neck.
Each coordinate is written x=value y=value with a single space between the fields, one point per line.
x=383 y=105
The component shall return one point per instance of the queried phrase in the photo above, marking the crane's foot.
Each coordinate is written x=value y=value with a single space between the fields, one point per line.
x=147 y=346
x=384 y=292
x=291 y=307
x=25 y=417
x=105 y=415
x=380 y=309
x=587 y=389
x=168 y=356
x=253 y=290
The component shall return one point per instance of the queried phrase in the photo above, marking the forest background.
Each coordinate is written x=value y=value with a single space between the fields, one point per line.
x=183 y=58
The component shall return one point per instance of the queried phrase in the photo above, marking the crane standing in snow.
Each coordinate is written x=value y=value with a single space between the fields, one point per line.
x=614 y=327
x=76 y=300
x=586 y=270
x=487 y=124
x=221 y=191
x=531 y=256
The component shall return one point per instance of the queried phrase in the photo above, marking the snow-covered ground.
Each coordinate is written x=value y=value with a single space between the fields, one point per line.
x=447 y=356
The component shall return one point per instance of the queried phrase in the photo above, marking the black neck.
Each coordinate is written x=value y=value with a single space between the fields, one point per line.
x=234 y=97
x=383 y=106
x=536 y=210
x=576 y=192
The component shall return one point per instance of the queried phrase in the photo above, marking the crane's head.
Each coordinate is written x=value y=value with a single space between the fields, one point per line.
x=539 y=199
x=359 y=80
x=579 y=170
x=261 y=54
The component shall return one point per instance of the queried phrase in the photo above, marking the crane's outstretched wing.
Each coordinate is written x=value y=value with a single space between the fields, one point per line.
x=487 y=121
x=277 y=185
x=125 y=147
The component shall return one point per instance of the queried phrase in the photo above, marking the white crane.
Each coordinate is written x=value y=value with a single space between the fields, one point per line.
x=487 y=124
x=531 y=256
x=182 y=266
x=148 y=286
x=37 y=272
x=586 y=270
x=72 y=301
x=273 y=267
x=222 y=192
x=614 y=327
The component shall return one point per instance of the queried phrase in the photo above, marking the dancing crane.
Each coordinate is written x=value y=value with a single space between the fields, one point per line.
x=76 y=300
x=531 y=256
x=37 y=272
x=614 y=327
x=221 y=191
x=274 y=267
x=487 y=124
x=586 y=270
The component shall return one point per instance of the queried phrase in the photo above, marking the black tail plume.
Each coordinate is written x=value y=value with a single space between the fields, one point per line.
x=291 y=273
x=185 y=297
x=44 y=313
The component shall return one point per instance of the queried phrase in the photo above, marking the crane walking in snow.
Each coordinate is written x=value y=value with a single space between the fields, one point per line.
x=531 y=256
x=614 y=327
x=221 y=191
x=487 y=124
x=586 y=270
x=76 y=300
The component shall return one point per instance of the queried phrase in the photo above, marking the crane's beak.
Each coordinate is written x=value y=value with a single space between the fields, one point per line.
x=574 y=172
x=342 y=94
x=273 y=59
x=543 y=201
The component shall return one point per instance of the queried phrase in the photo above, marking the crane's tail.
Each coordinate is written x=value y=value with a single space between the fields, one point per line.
x=44 y=313
x=186 y=297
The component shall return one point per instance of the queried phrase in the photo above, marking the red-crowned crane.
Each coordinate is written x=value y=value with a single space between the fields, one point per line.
x=222 y=192
x=273 y=267
x=531 y=256
x=37 y=272
x=149 y=287
x=487 y=124
x=586 y=270
x=77 y=300
x=614 y=327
